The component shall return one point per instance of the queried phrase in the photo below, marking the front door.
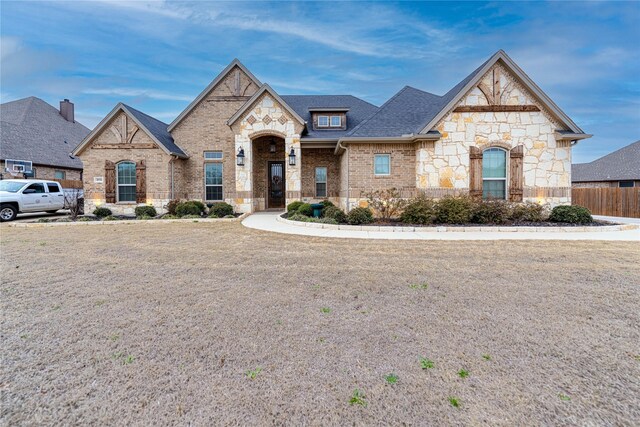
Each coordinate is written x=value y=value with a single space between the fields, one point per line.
x=276 y=196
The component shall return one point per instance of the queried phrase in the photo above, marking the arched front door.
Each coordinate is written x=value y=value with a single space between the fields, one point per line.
x=276 y=185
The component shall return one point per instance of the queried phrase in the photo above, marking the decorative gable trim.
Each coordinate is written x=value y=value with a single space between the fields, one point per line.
x=529 y=84
x=265 y=88
x=210 y=87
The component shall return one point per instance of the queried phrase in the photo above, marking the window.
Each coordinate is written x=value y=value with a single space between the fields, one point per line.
x=625 y=184
x=53 y=188
x=59 y=174
x=336 y=121
x=323 y=121
x=31 y=174
x=494 y=173
x=382 y=164
x=39 y=188
x=321 y=182
x=213 y=181
x=213 y=155
x=126 y=178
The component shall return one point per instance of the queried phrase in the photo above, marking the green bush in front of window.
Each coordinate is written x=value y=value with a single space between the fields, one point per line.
x=102 y=212
x=420 y=210
x=305 y=209
x=220 y=210
x=574 y=214
x=293 y=206
x=489 y=212
x=360 y=216
x=149 y=211
x=335 y=213
x=189 y=208
x=528 y=212
x=454 y=210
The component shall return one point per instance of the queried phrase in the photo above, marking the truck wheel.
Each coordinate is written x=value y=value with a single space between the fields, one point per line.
x=8 y=213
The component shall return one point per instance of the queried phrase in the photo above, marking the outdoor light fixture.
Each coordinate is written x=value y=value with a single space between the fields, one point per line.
x=292 y=158
x=272 y=147
x=240 y=157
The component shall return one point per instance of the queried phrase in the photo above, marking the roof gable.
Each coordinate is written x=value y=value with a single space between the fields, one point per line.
x=153 y=127
x=219 y=78
x=265 y=88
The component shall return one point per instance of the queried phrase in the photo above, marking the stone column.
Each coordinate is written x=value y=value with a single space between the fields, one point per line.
x=293 y=173
x=244 y=185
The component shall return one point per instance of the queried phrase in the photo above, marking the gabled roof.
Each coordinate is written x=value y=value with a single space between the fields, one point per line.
x=153 y=127
x=621 y=165
x=265 y=88
x=357 y=111
x=33 y=130
x=209 y=88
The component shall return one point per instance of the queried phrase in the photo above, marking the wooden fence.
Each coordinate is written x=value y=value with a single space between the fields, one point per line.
x=610 y=201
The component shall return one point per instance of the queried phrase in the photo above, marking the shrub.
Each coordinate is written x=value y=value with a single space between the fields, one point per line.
x=188 y=208
x=229 y=216
x=360 y=216
x=454 y=210
x=420 y=210
x=110 y=218
x=102 y=212
x=220 y=209
x=169 y=216
x=571 y=214
x=327 y=221
x=298 y=217
x=305 y=209
x=293 y=206
x=146 y=211
x=325 y=205
x=199 y=204
x=387 y=203
x=144 y=217
x=335 y=213
x=489 y=211
x=171 y=206
x=528 y=212
x=191 y=217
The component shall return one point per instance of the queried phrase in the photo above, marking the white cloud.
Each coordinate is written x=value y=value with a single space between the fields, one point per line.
x=134 y=92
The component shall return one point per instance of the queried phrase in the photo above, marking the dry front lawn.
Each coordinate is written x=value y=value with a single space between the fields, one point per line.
x=216 y=324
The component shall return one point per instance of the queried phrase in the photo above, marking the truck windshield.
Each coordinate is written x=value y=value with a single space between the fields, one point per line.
x=11 y=186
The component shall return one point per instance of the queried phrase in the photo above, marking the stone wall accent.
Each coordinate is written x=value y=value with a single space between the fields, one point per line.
x=156 y=160
x=546 y=163
x=261 y=155
x=320 y=157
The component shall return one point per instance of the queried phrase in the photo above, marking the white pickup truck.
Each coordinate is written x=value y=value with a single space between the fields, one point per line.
x=29 y=195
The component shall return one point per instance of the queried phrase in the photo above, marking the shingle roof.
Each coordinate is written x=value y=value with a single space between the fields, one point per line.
x=31 y=129
x=157 y=129
x=359 y=110
x=623 y=164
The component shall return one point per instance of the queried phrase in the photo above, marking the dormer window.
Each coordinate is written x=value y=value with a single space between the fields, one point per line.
x=329 y=118
x=336 y=121
x=323 y=121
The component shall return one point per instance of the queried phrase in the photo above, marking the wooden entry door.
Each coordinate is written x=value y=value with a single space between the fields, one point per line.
x=276 y=191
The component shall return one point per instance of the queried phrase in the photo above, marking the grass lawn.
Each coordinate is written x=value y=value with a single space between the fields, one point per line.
x=216 y=324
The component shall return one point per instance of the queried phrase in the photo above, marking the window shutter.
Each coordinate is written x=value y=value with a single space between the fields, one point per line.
x=516 y=173
x=141 y=182
x=109 y=182
x=475 y=172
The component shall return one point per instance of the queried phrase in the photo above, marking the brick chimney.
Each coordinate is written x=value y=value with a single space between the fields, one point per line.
x=66 y=110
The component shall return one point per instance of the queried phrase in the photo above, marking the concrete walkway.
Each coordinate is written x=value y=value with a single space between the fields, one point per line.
x=266 y=221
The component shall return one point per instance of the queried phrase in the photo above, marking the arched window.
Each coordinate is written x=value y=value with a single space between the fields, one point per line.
x=494 y=173
x=126 y=179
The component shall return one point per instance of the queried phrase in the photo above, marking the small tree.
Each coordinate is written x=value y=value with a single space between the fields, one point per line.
x=386 y=203
x=74 y=201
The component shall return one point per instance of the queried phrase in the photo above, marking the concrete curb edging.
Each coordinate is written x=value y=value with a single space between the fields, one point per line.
x=124 y=221
x=443 y=229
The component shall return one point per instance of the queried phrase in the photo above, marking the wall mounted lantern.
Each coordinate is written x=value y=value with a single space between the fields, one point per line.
x=272 y=146
x=240 y=157
x=292 y=158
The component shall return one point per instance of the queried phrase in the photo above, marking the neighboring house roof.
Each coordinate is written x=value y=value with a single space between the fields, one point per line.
x=156 y=129
x=31 y=129
x=358 y=111
x=621 y=165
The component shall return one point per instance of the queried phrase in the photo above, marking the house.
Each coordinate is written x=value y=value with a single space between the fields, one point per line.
x=618 y=169
x=32 y=131
x=495 y=134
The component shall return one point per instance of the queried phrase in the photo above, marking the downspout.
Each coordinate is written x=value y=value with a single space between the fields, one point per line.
x=173 y=159
x=346 y=153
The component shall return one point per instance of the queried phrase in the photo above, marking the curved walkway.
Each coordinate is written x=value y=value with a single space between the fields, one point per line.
x=267 y=221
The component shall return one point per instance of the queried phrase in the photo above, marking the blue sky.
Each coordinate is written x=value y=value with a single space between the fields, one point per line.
x=157 y=56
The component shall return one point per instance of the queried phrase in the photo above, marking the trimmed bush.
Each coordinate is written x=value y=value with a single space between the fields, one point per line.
x=359 y=216
x=199 y=204
x=220 y=209
x=110 y=218
x=188 y=208
x=144 y=217
x=335 y=213
x=327 y=221
x=421 y=210
x=326 y=204
x=171 y=206
x=298 y=217
x=102 y=212
x=293 y=206
x=191 y=217
x=305 y=209
x=229 y=216
x=454 y=210
x=149 y=211
x=528 y=212
x=489 y=212
x=571 y=214
x=169 y=216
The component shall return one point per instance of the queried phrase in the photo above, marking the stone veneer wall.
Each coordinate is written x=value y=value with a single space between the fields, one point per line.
x=320 y=157
x=444 y=165
x=157 y=168
x=261 y=157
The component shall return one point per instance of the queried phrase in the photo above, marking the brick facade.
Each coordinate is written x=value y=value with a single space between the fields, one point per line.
x=320 y=157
